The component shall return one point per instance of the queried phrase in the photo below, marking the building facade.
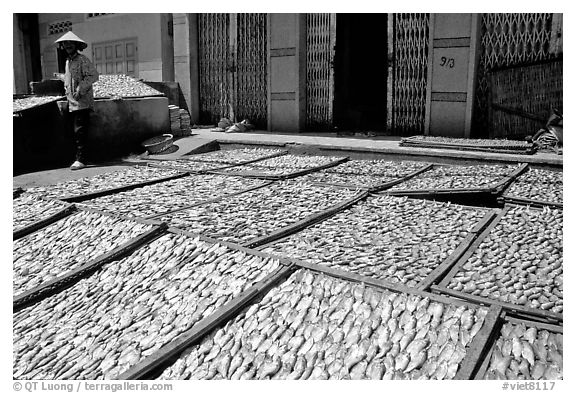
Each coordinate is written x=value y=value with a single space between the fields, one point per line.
x=400 y=74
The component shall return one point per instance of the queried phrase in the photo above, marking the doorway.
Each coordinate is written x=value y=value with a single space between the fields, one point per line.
x=360 y=73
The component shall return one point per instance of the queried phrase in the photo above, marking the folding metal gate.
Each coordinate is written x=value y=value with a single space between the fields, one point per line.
x=320 y=44
x=408 y=42
x=509 y=39
x=409 y=73
x=233 y=67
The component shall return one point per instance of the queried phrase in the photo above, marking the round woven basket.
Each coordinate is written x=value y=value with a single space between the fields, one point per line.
x=158 y=143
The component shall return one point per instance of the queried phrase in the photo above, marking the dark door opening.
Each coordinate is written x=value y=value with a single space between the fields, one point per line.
x=360 y=72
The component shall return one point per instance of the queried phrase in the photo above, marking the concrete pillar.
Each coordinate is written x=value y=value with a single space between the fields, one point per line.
x=286 y=72
x=20 y=85
x=167 y=42
x=453 y=58
x=186 y=71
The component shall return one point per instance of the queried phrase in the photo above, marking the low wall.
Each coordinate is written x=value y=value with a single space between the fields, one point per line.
x=43 y=137
x=117 y=128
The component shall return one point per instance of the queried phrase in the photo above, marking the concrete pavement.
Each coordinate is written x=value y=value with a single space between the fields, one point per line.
x=204 y=140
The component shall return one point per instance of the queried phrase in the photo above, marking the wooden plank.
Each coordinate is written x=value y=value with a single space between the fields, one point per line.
x=390 y=184
x=509 y=307
x=501 y=186
x=447 y=264
x=233 y=246
x=279 y=154
x=315 y=169
x=483 y=368
x=209 y=201
x=479 y=345
x=530 y=202
x=65 y=212
x=343 y=186
x=98 y=194
x=536 y=324
x=455 y=256
x=263 y=175
x=169 y=352
x=439 y=191
x=57 y=285
x=401 y=288
x=308 y=221
x=145 y=221
x=485 y=364
x=189 y=171
x=446 y=280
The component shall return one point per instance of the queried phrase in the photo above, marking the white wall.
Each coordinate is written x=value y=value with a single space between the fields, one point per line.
x=144 y=27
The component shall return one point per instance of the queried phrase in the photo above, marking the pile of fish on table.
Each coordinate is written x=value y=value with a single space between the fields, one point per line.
x=126 y=311
x=31 y=208
x=170 y=195
x=67 y=244
x=523 y=352
x=457 y=177
x=365 y=173
x=397 y=239
x=314 y=326
x=244 y=217
x=538 y=184
x=21 y=104
x=520 y=261
x=120 y=85
x=104 y=181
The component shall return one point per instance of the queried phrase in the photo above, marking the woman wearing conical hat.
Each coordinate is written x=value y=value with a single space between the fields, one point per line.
x=78 y=79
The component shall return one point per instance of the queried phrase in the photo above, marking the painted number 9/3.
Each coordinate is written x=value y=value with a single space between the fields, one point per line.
x=446 y=62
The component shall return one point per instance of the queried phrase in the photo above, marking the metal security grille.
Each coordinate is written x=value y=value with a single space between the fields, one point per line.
x=214 y=56
x=251 y=70
x=509 y=39
x=233 y=68
x=320 y=40
x=410 y=71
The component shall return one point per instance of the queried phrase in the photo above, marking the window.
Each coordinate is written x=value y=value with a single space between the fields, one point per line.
x=59 y=27
x=118 y=57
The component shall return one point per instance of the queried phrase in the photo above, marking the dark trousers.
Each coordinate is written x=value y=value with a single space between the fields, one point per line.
x=80 y=120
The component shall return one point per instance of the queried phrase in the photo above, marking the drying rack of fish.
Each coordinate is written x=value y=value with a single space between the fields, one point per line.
x=187 y=165
x=538 y=187
x=314 y=326
x=24 y=103
x=237 y=156
x=67 y=244
x=525 y=350
x=459 y=178
x=252 y=217
x=371 y=174
x=130 y=308
x=518 y=261
x=390 y=238
x=106 y=183
x=30 y=209
x=285 y=166
x=120 y=85
x=488 y=145
x=174 y=194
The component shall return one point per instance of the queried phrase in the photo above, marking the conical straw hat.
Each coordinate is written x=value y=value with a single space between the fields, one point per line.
x=69 y=36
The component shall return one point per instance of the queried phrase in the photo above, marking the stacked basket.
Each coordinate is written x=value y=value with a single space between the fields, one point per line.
x=174 y=119
x=184 y=122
